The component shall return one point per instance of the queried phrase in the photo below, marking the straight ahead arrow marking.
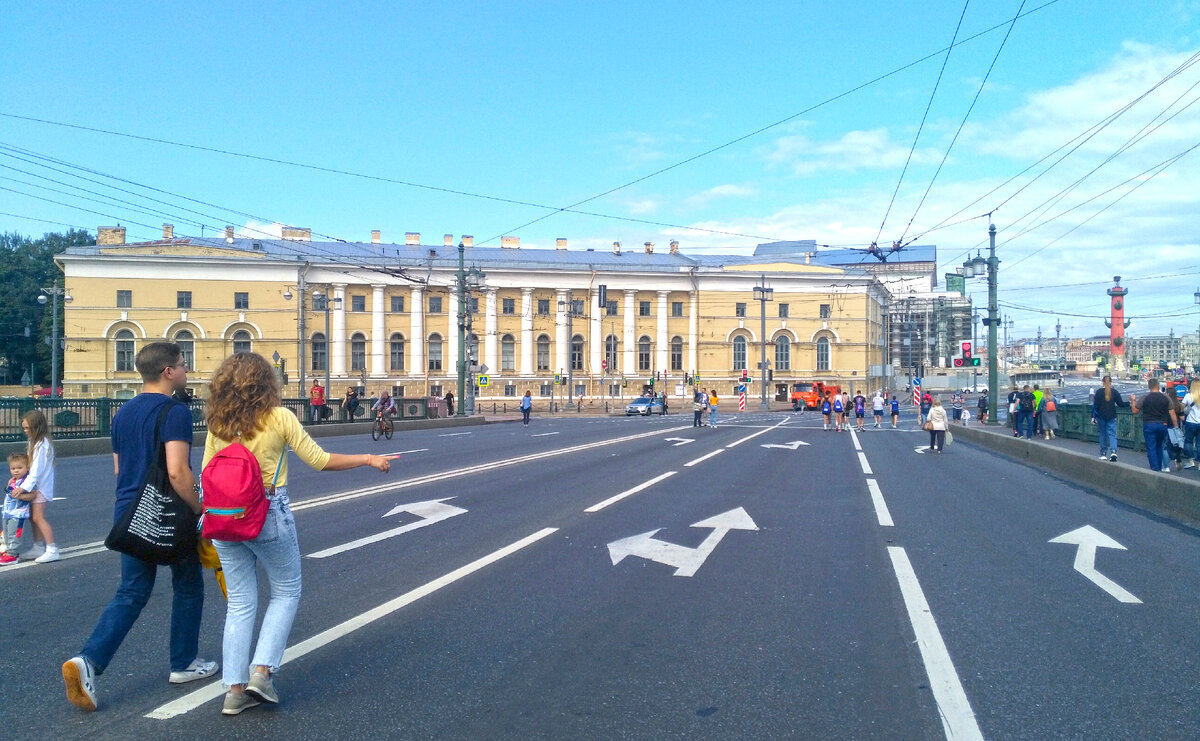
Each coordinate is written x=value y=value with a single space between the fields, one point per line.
x=687 y=561
x=1088 y=539
x=793 y=445
x=430 y=512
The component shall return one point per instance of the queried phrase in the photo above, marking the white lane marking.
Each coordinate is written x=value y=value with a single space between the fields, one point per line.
x=703 y=458
x=958 y=719
x=403 y=452
x=677 y=441
x=212 y=691
x=480 y=468
x=543 y=434
x=75 y=551
x=854 y=439
x=629 y=492
x=736 y=443
x=881 y=508
x=793 y=445
x=687 y=561
x=453 y=434
x=1088 y=539
x=862 y=460
x=429 y=512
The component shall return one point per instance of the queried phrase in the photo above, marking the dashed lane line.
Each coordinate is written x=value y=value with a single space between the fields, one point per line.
x=629 y=492
x=881 y=508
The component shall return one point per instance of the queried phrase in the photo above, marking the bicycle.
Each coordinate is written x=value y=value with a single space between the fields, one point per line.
x=382 y=427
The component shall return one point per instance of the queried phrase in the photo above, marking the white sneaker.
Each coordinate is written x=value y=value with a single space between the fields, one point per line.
x=198 y=669
x=1103 y=457
x=50 y=556
x=81 y=683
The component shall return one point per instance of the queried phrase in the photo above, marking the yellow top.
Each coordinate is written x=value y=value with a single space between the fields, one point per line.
x=281 y=428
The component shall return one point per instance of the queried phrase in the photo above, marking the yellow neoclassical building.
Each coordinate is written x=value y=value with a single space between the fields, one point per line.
x=385 y=315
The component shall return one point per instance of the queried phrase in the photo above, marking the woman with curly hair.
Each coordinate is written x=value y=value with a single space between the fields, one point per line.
x=244 y=404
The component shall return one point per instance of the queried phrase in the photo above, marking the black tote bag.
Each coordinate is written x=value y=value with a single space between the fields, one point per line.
x=157 y=527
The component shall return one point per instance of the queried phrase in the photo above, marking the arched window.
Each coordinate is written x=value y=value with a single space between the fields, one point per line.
x=822 y=353
x=320 y=352
x=610 y=352
x=577 y=352
x=123 y=341
x=396 y=352
x=676 y=353
x=643 y=353
x=508 y=348
x=543 y=352
x=783 y=353
x=435 y=352
x=739 y=353
x=358 y=352
x=183 y=338
x=241 y=342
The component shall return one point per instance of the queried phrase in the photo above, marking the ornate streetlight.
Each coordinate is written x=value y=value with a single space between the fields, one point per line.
x=51 y=294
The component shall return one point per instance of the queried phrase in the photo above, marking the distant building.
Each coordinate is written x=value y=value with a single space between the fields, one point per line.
x=1154 y=349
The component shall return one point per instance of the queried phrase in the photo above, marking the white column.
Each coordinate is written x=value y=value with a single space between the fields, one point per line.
x=694 y=333
x=629 y=358
x=490 y=343
x=339 y=330
x=562 y=343
x=595 y=340
x=416 y=340
x=378 y=340
x=527 y=346
x=662 y=356
x=451 y=347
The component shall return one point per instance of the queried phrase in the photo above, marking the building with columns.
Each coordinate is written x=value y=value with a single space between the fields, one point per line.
x=385 y=315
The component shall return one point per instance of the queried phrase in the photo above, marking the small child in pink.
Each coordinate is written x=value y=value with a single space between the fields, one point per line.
x=16 y=511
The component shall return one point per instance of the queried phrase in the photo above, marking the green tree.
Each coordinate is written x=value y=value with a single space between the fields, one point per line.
x=27 y=265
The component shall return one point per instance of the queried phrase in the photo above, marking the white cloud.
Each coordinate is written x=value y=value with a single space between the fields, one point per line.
x=260 y=230
x=855 y=150
x=727 y=190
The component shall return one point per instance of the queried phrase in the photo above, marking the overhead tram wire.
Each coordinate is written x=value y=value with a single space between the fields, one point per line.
x=963 y=123
x=924 y=117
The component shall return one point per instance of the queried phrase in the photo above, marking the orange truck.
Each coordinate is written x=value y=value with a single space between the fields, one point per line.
x=809 y=395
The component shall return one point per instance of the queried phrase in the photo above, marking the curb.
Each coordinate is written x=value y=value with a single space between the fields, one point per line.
x=1163 y=494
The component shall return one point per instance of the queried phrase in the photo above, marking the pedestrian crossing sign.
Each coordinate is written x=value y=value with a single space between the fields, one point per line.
x=484 y=380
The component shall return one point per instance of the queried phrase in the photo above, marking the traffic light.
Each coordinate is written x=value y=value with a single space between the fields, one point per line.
x=745 y=375
x=967 y=359
x=651 y=381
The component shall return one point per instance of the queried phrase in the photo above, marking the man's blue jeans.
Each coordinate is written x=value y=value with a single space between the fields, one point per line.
x=1155 y=434
x=1191 y=434
x=1108 y=435
x=1025 y=424
x=137 y=582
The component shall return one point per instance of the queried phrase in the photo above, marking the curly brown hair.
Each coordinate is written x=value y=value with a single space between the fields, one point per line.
x=244 y=390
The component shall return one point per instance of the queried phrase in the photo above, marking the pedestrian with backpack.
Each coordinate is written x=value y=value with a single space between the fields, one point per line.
x=245 y=414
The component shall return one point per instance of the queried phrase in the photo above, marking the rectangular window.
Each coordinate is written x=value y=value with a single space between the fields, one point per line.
x=739 y=309
x=826 y=311
x=643 y=308
x=435 y=304
x=320 y=302
x=610 y=307
x=183 y=299
x=545 y=388
x=124 y=299
x=436 y=390
x=510 y=390
x=398 y=392
x=508 y=306
x=397 y=304
x=358 y=303
x=577 y=307
x=241 y=300
x=614 y=390
x=396 y=355
x=676 y=308
x=543 y=308
x=783 y=311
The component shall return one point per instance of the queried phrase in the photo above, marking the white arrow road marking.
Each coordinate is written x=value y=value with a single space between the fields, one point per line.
x=687 y=561
x=793 y=445
x=1089 y=539
x=430 y=512
x=678 y=441
x=921 y=449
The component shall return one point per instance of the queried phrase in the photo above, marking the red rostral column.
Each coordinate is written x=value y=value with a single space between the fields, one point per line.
x=1117 y=326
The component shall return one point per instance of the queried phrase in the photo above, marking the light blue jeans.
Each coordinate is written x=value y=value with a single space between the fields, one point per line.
x=712 y=416
x=278 y=550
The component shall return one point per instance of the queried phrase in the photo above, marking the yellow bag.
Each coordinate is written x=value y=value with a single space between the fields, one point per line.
x=210 y=560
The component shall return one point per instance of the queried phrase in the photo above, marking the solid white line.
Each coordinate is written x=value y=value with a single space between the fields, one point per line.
x=543 y=434
x=881 y=509
x=958 y=720
x=87 y=549
x=736 y=443
x=453 y=434
x=854 y=439
x=629 y=492
x=402 y=452
x=195 y=699
x=862 y=460
x=704 y=457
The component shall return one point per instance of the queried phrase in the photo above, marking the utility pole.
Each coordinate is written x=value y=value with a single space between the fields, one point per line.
x=570 y=349
x=55 y=291
x=993 y=270
x=762 y=294
x=461 y=279
x=302 y=295
x=1058 y=354
x=1039 y=348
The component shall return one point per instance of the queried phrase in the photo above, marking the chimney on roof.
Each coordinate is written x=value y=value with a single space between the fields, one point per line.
x=295 y=233
x=674 y=246
x=560 y=243
x=228 y=233
x=412 y=237
x=110 y=235
x=510 y=243
x=448 y=240
x=616 y=248
x=468 y=240
x=649 y=248
x=376 y=236
x=168 y=231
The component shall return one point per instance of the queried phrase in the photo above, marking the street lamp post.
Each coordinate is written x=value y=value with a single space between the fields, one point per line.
x=762 y=294
x=317 y=293
x=464 y=280
x=991 y=266
x=54 y=292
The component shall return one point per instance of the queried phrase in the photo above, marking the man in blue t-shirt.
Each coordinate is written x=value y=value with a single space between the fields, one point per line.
x=163 y=371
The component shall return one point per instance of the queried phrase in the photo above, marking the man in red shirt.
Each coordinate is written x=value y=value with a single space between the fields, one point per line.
x=316 y=397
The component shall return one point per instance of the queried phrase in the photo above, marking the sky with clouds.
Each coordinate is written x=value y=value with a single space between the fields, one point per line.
x=718 y=125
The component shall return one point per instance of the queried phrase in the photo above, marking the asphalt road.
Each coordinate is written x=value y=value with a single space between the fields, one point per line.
x=603 y=578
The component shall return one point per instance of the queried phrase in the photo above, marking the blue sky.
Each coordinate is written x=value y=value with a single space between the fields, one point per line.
x=552 y=104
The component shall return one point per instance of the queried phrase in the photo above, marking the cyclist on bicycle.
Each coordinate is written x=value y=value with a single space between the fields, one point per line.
x=385 y=406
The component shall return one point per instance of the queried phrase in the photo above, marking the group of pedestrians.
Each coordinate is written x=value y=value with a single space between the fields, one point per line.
x=1032 y=411
x=244 y=405
x=704 y=403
